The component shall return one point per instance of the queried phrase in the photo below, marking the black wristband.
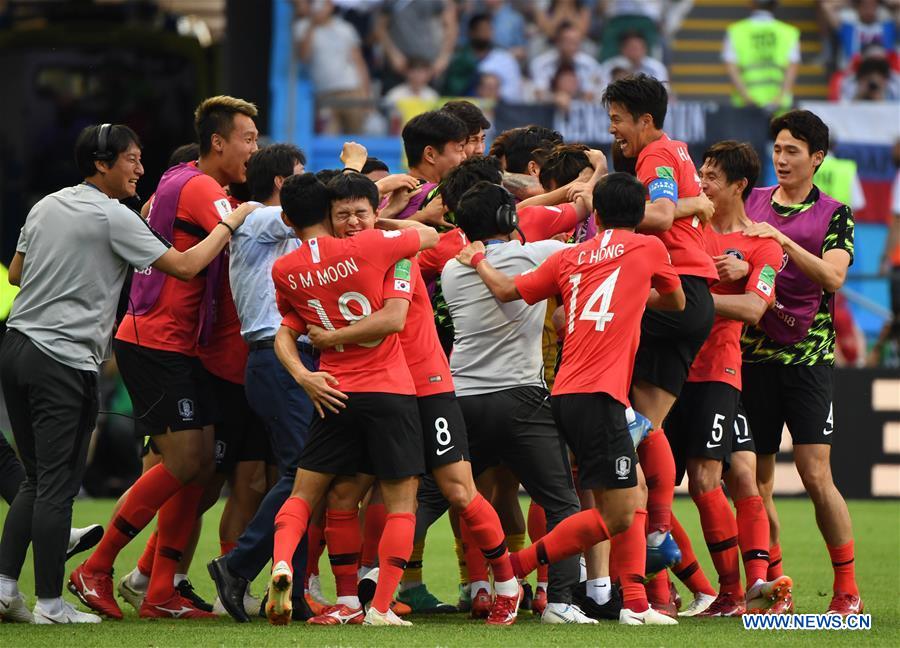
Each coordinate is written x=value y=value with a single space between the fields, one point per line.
x=345 y=169
x=230 y=228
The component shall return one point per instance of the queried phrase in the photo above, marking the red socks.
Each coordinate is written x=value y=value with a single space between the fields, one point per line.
x=537 y=529
x=775 y=569
x=571 y=536
x=487 y=533
x=658 y=463
x=844 y=568
x=373 y=528
x=145 y=562
x=226 y=547
x=177 y=519
x=393 y=552
x=145 y=497
x=628 y=560
x=315 y=542
x=688 y=570
x=290 y=525
x=476 y=564
x=753 y=537
x=344 y=540
x=720 y=532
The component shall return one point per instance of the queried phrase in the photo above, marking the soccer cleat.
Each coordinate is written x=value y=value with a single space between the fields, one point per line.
x=665 y=607
x=134 y=596
x=316 y=607
x=724 y=605
x=389 y=618
x=481 y=604
x=339 y=615
x=609 y=610
x=419 y=599
x=365 y=589
x=230 y=589
x=783 y=606
x=66 y=614
x=279 y=606
x=400 y=609
x=177 y=607
x=315 y=590
x=661 y=554
x=464 y=604
x=647 y=617
x=564 y=613
x=13 y=610
x=527 y=597
x=639 y=428
x=763 y=596
x=843 y=603
x=95 y=591
x=539 y=602
x=186 y=589
x=700 y=603
x=83 y=539
x=505 y=609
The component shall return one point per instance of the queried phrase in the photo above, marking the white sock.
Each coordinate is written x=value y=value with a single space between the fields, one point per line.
x=475 y=586
x=9 y=587
x=559 y=608
x=405 y=585
x=655 y=539
x=179 y=578
x=138 y=580
x=349 y=601
x=542 y=585
x=582 y=571
x=599 y=589
x=51 y=606
x=507 y=588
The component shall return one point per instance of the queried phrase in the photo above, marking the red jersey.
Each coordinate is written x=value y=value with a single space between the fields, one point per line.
x=433 y=260
x=173 y=324
x=419 y=339
x=334 y=282
x=719 y=359
x=539 y=223
x=226 y=354
x=666 y=170
x=604 y=283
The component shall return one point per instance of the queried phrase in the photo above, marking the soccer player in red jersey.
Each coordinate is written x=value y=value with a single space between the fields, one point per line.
x=334 y=283
x=156 y=353
x=706 y=427
x=606 y=283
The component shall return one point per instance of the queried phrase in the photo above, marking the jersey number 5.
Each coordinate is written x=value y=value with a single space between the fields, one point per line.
x=344 y=307
x=597 y=307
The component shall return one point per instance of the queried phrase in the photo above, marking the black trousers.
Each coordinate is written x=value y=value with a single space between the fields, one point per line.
x=11 y=472
x=52 y=409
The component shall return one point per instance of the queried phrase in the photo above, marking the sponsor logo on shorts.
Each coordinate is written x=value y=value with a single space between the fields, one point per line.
x=186 y=409
x=623 y=467
x=443 y=451
x=220 y=451
x=711 y=445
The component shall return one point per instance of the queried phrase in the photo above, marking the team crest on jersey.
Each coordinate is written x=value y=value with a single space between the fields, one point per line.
x=186 y=409
x=623 y=467
x=737 y=254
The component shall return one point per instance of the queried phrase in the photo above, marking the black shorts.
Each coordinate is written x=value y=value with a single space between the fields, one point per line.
x=743 y=433
x=701 y=424
x=796 y=395
x=379 y=434
x=168 y=390
x=670 y=340
x=443 y=430
x=240 y=434
x=595 y=428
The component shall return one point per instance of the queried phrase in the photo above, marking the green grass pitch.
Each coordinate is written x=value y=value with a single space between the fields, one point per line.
x=876 y=524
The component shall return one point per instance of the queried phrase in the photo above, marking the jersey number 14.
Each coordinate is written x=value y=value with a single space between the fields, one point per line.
x=597 y=307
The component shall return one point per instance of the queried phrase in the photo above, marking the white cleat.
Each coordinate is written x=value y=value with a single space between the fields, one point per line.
x=699 y=604
x=133 y=595
x=648 y=617
x=14 y=610
x=376 y=618
x=68 y=614
x=315 y=590
x=83 y=539
x=559 y=613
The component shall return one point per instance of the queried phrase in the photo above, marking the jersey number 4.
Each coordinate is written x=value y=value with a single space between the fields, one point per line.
x=597 y=307
x=344 y=307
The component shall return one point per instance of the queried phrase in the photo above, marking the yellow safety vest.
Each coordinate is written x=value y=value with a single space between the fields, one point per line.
x=8 y=293
x=763 y=50
x=835 y=178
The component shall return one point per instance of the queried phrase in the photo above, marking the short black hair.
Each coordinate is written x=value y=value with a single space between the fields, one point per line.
x=305 y=200
x=435 y=128
x=184 y=153
x=639 y=95
x=736 y=160
x=469 y=114
x=374 y=164
x=466 y=175
x=632 y=33
x=519 y=144
x=119 y=138
x=478 y=18
x=215 y=115
x=563 y=165
x=267 y=163
x=240 y=191
x=476 y=213
x=351 y=186
x=873 y=65
x=619 y=200
x=804 y=125
x=325 y=175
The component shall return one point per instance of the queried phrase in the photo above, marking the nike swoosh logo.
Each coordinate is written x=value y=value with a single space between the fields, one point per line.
x=827 y=433
x=743 y=440
x=50 y=619
x=444 y=451
x=711 y=445
x=175 y=613
x=84 y=588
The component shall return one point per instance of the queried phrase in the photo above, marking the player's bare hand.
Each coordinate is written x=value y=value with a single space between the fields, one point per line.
x=353 y=155
x=465 y=255
x=730 y=268
x=236 y=218
x=321 y=387
x=576 y=189
x=598 y=160
x=396 y=181
x=766 y=230
x=397 y=202
x=433 y=214
x=705 y=208
x=320 y=338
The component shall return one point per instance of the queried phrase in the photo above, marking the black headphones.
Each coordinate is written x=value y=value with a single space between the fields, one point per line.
x=102 y=154
x=506 y=217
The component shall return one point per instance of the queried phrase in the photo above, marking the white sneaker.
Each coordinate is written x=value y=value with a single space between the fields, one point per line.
x=376 y=618
x=315 y=590
x=14 y=610
x=699 y=604
x=68 y=614
x=557 y=613
x=648 y=617
x=133 y=595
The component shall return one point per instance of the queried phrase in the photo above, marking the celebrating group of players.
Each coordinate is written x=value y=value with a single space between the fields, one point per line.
x=682 y=318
